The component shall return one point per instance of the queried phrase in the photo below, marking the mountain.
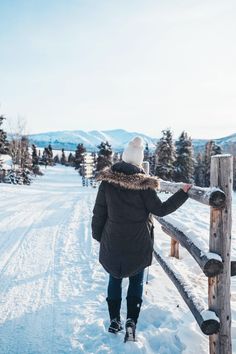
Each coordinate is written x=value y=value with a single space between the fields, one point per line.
x=68 y=139
x=227 y=144
x=118 y=138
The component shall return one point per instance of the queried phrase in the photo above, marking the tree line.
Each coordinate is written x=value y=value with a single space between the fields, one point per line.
x=170 y=160
x=21 y=159
x=175 y=161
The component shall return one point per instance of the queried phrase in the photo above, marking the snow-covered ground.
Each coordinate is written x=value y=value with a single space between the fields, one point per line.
x=53 y=290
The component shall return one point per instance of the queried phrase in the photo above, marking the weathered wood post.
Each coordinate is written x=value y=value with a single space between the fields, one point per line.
x=174 y=244
x=174 y=248
x=146 y=167
x=220 y=243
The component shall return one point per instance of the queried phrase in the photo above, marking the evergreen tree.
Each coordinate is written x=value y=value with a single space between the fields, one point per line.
x=4 y=144
x=56 y=159
x=211 y=148
x=71 y=159
x=50 y=155
x=150 y=157
x=35 y=161
x=25 y=158
x=35 y=157
x=116 y=157
x=165 y=156
x=146 y=153
x=47 y=156
x=79 y=156
x=184 y=164
x=199 y=173
x=104 y=158
x=152 y=160
x=63 y=157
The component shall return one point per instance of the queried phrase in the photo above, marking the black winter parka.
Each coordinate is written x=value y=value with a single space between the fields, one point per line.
x=122 y=221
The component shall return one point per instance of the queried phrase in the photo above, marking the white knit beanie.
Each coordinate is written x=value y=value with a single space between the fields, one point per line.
x=133 y=153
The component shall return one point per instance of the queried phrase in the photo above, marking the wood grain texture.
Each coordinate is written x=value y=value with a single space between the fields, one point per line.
x=209 y=265
x=220 y=243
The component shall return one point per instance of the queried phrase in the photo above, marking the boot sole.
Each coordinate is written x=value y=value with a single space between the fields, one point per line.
x=129 y=335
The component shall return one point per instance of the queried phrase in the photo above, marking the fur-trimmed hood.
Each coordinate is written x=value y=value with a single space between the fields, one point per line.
x=136 y=181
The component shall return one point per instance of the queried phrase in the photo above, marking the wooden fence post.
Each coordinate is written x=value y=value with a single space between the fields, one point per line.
x=174 y=248
x=220 y=243
x=146 y=167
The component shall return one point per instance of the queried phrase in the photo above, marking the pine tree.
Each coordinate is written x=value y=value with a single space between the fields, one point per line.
x=35 y=158
x=152 y=163
x=63 y=157
x=211 y=148
x=184 y=164
x=56 y=159
x=25 y=158
x=71 y=159
x=116 y=157
x=199 y=173
x=45 y=156
x=104 y=158
x=35 y=161
x=79 y=156
x=146 y=153
x=50 y=155
x=4 y=144
x=165 y=156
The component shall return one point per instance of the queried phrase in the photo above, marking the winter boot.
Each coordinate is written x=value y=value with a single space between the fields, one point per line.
x=133 y=309
x=130 y=328
x=114 y=312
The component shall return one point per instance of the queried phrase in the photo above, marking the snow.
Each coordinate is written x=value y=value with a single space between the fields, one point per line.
x=53 y=289
x=215 y=256
x=212 y=189
x=209 y=315
x=221 y=155
x=5 y=162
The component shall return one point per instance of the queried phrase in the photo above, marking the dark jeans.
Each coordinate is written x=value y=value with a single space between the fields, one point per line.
x=114 y=291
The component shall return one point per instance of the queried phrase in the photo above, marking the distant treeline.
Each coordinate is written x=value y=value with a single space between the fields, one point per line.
x=170 y=160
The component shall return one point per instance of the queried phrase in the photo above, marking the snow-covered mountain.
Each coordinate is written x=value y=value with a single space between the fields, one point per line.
x=228 y=144
x=69 y=139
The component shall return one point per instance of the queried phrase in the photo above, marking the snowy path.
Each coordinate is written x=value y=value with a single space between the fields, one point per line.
x=53 y=290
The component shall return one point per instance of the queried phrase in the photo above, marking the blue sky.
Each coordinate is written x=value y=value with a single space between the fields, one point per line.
x=105 y=64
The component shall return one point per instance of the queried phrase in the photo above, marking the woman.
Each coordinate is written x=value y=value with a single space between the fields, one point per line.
x=122 y=223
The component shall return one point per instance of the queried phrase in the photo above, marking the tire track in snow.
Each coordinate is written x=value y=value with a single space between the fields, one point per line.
x=28 y=320
x=23 y=238
x=39 y=295
x=73 y=282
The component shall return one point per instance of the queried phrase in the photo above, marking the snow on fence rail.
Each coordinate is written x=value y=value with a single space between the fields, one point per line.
x=214 y=197
x=209 y=324
x=210 y=263
x=216 y=264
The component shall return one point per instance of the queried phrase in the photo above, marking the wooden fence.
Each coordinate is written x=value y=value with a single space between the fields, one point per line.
x=215 y=319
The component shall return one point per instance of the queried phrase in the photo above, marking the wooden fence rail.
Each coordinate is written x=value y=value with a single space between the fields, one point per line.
x=214 y=197
x=210 y=263
x=207 y=320
x=215 y=264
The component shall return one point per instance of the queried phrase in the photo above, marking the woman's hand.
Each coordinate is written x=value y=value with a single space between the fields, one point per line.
x=186 y=187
